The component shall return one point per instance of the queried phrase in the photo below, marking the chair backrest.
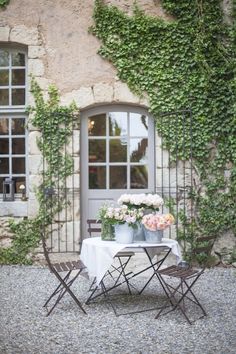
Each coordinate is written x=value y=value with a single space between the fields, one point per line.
x=94 y=227
x=46 y=251
x=203 y=245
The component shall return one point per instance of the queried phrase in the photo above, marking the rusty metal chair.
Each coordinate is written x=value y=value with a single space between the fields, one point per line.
x=65 y=281
x=187 y=276
x=94 y=229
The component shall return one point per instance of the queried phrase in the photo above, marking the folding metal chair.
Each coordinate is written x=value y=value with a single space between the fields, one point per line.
x=187 y=276
x=65 y=281
x=94 y=229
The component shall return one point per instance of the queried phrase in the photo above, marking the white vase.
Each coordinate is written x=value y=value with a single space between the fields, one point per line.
x=139 y=233
x=124 y=233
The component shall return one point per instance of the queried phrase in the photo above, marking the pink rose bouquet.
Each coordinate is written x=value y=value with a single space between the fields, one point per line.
x=154 y=222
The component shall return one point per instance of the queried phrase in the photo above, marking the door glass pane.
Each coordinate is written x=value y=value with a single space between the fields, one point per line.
x=118 y=123
x=138 y=125
x=97 y=150
x=118 y=177
x=3 y=126
x=1 y=184
x=97 y=125
x=18 y=77
x=4 y=58
x=4 y=77
x=18 y=97
x=4 y=165
x=4 y=146
x=18 y=126
x=18 y=146
x=138 y=150
x=4 y=97
x=18 y=59
x=18 y=165
x=97 y=177
x=138 y=177
x=18 y=182
x=118 y=151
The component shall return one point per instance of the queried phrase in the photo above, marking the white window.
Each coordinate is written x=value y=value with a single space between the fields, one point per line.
x=13 y=152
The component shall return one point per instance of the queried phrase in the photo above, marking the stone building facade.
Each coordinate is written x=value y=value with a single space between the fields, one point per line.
x=59 y=50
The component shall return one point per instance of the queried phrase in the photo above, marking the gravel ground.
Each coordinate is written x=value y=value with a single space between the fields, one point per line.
x=24 y=329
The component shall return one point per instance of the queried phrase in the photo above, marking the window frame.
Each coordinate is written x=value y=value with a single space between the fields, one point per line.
x=16 y=111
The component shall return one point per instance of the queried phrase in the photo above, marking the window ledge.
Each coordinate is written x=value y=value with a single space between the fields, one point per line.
x=16 y=208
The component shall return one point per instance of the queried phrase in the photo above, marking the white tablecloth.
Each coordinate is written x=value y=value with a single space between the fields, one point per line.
x=97 y=255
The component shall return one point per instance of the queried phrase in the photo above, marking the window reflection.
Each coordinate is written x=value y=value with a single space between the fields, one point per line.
x=118 y=152
x=4 y=165
x=118 y=123
x=4 y=77
x=18 y=59
x=18 y=77
x=97 y=125
x=97 y=177
x=4 y=144
x=4 y=58
x=18 y=126
x=3 y=126
x=138 y=150
x=18 y=165
x=139 y=177
x=97 y=150
x=18 y=97
x=18 y=146
x=4 y=97
x=138 y=125
x=118 y=177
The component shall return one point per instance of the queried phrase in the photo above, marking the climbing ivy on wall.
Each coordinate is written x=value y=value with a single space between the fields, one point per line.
x=55 y=123
x=4 y=3
x=185 y=62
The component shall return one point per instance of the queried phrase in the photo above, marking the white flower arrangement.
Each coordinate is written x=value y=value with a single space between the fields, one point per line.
x=120 y=215
x=146 y=201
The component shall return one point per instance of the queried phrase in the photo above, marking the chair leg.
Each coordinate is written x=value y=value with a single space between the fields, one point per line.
x=66 y=285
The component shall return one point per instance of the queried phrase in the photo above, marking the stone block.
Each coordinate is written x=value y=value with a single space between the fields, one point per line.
x=16 y=208
x=34 y=182
x=24 y=35
x=35 y=164
x=73 y=146
x=33 y=207
x=82 y=97
x=32 y=141
x=73 y=181
x=4 y=33
x=123 y=94
x=103 y=92
x=36 y=51
x=35 y=67
x=71 y=211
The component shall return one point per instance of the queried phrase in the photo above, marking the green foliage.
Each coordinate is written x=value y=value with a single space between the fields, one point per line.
x=188 y=62
x=4 y=3
x=55 y=123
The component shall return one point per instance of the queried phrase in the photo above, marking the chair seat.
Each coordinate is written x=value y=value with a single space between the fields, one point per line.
x=125 y=254
x=67 y=266
x=178 y=272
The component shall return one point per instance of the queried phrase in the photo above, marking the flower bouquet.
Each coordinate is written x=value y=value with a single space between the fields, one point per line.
x=154 y=224
x=142 y=200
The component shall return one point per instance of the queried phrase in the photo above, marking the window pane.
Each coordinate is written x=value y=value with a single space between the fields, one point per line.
x=18 y=126
x=18 y=165
x=4 y=165
x=139 y=177
x=4 y=146
x=18 y=146
x=4 y=97
x=18 y=182
x=118 y=177
x=18 y=59
x=117 y=123
x=138 y=150
x=118 y=152
x=18 y=97
x=4 y=58
x=97 y=150
x=138 y=125
x=4 y=77
x=97 y=125
x=97 y=177
x=1 y=184
x=18 y=77
x=4 y=126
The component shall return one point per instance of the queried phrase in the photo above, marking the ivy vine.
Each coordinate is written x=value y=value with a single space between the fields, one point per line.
x=188 y=62
x=55 y=123
x=4 y=3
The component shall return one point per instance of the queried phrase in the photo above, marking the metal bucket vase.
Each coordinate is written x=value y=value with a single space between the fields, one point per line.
x=139 y=233
x=153 y=236
x=124 y=233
